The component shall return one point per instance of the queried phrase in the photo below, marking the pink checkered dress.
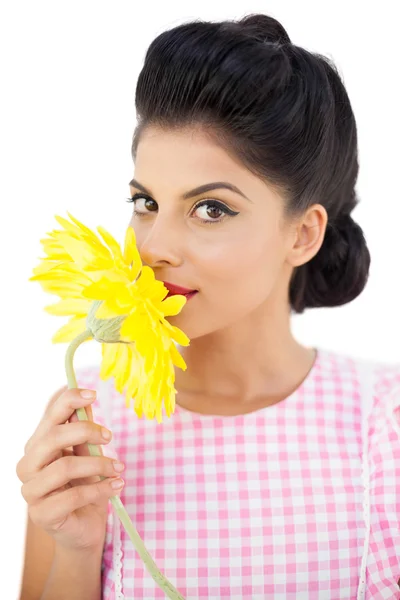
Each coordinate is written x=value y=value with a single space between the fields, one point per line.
x=290 y=502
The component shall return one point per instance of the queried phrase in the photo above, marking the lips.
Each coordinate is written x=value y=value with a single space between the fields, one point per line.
x=173 y=290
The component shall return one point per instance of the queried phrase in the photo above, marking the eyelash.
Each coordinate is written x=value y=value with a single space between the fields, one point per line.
x=213 y=203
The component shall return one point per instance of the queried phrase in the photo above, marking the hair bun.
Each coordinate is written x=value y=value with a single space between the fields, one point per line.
x=345 y=222
x=265 y=28
x=338 y=273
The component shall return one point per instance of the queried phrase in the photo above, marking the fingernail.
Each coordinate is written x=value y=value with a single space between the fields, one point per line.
x=118 y=483
x=118 y=466
x=106 y=434
x=88 y=393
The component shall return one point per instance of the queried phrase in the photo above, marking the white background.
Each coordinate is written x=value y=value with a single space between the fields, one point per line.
x=68 y=75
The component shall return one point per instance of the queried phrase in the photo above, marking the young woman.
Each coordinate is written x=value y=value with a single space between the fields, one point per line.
x=259 y=485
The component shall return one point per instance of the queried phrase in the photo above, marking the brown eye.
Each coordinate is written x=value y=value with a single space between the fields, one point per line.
x=143 y=204
x=150 y=205
x=211 y=211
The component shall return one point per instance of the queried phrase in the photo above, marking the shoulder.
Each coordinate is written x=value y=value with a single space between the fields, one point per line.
x=378 y=386
x=370 y=388
x=384 y=417
x=384 y=420
x=384 y=374
x=380 y=380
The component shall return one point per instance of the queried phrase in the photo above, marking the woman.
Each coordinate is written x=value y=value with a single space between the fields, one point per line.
x=245 y=170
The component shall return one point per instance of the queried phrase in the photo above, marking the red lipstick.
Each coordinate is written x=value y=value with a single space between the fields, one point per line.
x=173 y=290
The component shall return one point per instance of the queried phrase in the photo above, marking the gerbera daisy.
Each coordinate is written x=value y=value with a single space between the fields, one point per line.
x=117 y=301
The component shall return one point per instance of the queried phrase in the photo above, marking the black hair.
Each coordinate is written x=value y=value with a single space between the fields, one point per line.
x=284 y=113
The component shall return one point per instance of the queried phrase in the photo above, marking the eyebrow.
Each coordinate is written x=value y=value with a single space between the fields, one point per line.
x=207 y=187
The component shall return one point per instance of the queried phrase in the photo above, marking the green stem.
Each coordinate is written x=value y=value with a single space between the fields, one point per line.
x=94 y=450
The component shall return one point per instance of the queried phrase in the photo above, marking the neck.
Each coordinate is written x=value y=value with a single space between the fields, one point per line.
x=256 y=360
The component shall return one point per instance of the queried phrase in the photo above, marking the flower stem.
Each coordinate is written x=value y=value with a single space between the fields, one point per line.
x=94 y=450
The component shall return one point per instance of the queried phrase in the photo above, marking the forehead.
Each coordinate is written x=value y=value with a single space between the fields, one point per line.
x=179 y=160
x=187 y=149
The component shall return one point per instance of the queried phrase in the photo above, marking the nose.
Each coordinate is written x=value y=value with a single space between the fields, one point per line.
x=158 y=245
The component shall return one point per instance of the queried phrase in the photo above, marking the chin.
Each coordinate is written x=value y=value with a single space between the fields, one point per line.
x=185 y=324
x=192 y=327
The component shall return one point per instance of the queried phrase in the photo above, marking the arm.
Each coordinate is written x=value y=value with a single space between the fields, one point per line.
x=52 y=573
x=38 y=558
x=74 y=575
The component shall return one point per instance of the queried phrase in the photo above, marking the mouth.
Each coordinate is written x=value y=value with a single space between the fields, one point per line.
x=173 y=290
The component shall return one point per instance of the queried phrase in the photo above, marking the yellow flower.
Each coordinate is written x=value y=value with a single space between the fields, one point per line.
x=123 y=306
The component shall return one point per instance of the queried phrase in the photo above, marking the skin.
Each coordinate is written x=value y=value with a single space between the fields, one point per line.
x=242 y=355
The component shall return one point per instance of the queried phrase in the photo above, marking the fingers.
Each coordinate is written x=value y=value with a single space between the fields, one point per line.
x=44 y=451
x=66 y=404
x=64 y=470
x=58 y=411
x=53 y=511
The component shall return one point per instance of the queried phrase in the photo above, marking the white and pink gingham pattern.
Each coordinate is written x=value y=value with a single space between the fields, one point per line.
x=268 y=505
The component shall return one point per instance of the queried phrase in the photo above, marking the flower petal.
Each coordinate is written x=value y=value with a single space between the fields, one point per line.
x=111 y=243
x=131 y=253
x=124 y=365
x=177 y=334
x=105 y=289
x=45 y=266
x=54 y=250
x=83 y=227
x=173 y=305
x=73 y=229
x=146 y=279
x=70 y=306
x=64 y=289
x=70 y=331
x=108 y=363
x=177 y=358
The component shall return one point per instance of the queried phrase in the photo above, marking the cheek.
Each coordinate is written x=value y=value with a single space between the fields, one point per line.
x=253 y=263
x=251 y=274
x=141 y=232
x=234 y=280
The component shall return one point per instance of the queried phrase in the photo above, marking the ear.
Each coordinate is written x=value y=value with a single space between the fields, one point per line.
x=309 y=232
